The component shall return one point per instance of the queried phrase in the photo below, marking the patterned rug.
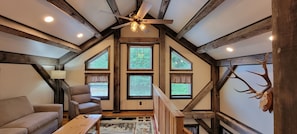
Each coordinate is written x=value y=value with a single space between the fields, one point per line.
x=136 y=125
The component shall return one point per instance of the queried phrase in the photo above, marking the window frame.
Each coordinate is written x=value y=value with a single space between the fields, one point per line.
x=171 y=69
x=139 y=45
x=94 y=57
x=181 y=96
x=139 y=97
x=108 y=87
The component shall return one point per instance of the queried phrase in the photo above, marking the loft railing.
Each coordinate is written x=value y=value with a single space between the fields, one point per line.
x=168 y=119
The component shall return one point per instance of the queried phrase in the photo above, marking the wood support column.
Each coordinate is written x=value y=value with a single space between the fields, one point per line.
x=162 y=74
x=117 y=72
x=284 y=51
x=215 y=96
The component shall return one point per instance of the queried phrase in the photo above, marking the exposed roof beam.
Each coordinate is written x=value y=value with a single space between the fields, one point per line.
x=163 y=8
x=138 y=4
x=245 y=60
x=225 y=77
x=236 y=125
x=115 y=10
x=252 y=30
x=64 y=6
x=185 y=43
x=199 y=114
x=8 y=57
x=18 y=29
x=204 y=125
x=198 y=97
x=46 y=77
x=136 y=40
x=87 y=45
x=204 y=11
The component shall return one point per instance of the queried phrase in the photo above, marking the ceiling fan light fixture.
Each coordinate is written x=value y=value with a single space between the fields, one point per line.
x=142 y=27
x=134 y=26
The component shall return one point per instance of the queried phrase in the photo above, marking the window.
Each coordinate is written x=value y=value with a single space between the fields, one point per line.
x=99 y=84
x=140 y=86
x=181 y=86
x=98 y=78
x=99 y=61
x=140 y=57
x=140 y=72
x=180 y=76
x=178 y=62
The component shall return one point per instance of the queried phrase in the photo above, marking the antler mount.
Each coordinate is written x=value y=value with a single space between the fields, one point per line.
x=265 y=95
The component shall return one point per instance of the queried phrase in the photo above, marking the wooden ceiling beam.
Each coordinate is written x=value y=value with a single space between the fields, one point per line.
x=163 y=8
x=115 y=10
x=137 y=40
x=46 y=77
x=252 y=30
x=225 y=77
x=200 y=114
x=68 y=9
x=204 y=126
x=138 y=4
x=15 y=58
x=204 y=11
x=245 y=60
x=18 y=29
x=203 y=92
x=236 y=125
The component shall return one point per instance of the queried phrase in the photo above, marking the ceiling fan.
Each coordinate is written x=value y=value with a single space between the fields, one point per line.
x=137 y=20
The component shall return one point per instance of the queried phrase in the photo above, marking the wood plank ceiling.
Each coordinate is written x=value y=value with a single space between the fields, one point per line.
x=206 y=27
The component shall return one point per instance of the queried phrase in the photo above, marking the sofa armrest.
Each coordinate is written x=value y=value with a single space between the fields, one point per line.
x=73 y=109
x=51 y=108
x=96 y=100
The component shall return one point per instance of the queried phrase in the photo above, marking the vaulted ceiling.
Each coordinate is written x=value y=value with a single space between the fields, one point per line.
x=210 y=25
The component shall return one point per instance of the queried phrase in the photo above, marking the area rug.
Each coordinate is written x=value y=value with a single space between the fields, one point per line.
x=135 y=125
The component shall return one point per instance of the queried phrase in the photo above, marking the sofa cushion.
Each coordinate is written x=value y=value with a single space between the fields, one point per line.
x=33 y=121
x=81 y=93
x=13 y=131
x=14 y=108
x=82 y=98
x=88 y=107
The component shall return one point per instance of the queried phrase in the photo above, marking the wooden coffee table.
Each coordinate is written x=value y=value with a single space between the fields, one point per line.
x=81 y=124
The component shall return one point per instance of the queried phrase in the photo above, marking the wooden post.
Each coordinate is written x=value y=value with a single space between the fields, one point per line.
x=284 y=50
x=215 y=96
x=162 y=74
x=117 y=70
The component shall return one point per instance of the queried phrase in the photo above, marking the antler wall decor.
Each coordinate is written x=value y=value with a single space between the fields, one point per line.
x=266 y=95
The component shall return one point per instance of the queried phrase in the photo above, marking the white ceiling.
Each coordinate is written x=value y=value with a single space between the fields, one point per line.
x=230 y=16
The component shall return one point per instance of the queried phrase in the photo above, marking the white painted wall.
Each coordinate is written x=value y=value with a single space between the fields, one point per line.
x=133 y=104
x=201 y=75
x=76 y=70
x=23 y=80
x=240 y=106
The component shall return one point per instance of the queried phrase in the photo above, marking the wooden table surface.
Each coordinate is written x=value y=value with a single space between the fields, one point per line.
x=80 y=124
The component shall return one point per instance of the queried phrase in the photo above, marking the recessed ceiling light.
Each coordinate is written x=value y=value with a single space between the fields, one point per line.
x=271 y=38
x=79 y=35
x=48 y=19
x=229 y=49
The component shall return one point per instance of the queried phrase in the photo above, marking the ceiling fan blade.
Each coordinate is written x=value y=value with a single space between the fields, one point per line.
x=156 y=21
x=118 y=16
x=121 y=25
x=143 y=10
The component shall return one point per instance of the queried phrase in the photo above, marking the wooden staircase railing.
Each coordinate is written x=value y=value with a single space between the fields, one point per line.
x=168 y=119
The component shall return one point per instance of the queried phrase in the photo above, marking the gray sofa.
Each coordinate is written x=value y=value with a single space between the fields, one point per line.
x=18 y=116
